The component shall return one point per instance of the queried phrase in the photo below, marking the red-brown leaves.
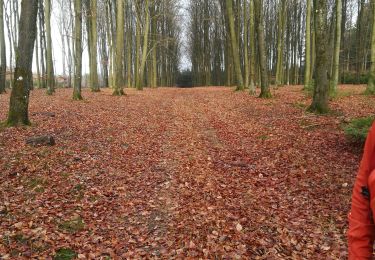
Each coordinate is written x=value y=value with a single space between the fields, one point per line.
x=178 y=173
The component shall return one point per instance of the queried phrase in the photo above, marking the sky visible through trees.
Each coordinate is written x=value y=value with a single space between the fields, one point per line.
x=185 y=61
x=55 y=23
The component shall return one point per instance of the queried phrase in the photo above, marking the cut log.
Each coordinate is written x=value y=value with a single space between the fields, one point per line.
x=45 y=140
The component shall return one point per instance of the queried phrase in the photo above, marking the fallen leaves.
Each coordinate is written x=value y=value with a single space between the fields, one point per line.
x=239 y=227
x=195 y=173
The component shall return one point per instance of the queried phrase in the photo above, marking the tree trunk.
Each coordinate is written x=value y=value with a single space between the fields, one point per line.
x=313 y=52
x=91 y=9
x=37 y=60
x=137 y=49
x=104 y=57
x=280 y=43
x=50 y=76
x=78 y=50
x=111 y=42
x=336 y=53
x=154 y=74
x=246 y=43
x=252 y=86
x=42 y=41
x=3 y=61
x=118 y=88
x=371 y=83
x=234 y=43
x=145 y=47
x=360 y=37
x=19 y=99
x=308 y=46
x=129 y=49
x=265 y=89
x=321 y=89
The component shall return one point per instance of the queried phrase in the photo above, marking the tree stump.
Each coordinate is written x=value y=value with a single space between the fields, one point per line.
x=45 y=140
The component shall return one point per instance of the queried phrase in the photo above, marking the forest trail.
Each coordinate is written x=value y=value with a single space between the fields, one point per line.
x=173 y=173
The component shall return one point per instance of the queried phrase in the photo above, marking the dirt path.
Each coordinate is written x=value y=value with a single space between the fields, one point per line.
x=171 y=173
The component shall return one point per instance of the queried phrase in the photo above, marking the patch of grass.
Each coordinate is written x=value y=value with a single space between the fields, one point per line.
x=37 y=184
x=346 y=93
x=6 y=240
x=73 y=226
x=304 y=123
x=341 y=94
x=3 y=125
x=79 y=187
x=21 y=239
x=263 y=137
x=300 y=105
x=38 y=246
x=269 y=104
x=308 y=125
x=15 y=253
x=358 y=128
x=368 y=93
x=65 y=254
x=44 y=152
x=93 y=198
x=78 y=190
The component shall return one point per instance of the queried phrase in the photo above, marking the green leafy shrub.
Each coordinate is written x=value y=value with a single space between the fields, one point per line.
x=65 y=254
x=353 y=78
x=358 y=128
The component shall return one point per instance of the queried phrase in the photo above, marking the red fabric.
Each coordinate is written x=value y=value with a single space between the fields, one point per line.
x=361 y=233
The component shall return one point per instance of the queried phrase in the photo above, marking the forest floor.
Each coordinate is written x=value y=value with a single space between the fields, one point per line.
x=173 y=173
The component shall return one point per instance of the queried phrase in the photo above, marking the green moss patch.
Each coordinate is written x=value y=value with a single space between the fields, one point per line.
x=65 y=254
x=73 y=226
x=358 y=128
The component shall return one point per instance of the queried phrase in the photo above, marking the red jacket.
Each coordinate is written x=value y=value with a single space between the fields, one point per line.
x=361 y=233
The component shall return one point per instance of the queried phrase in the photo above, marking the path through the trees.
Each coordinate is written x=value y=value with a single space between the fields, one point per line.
x=203 y=172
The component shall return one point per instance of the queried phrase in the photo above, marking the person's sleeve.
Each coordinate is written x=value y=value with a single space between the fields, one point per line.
x=361 y=233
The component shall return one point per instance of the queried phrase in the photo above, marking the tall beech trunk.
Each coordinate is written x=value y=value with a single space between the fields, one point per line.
x=252 y=87
x=42 y=41
x=144 y=48
x=19 y=99
x=321 y=88
x=92 y=35
x=371 y=83
x=78 y=50
x=119 y=83
x=336 y=52
x=3 y=60
x=234 y=43
x=280 y=43
x=154 y=74
x=246 y=44
x=308 y=46
x=50 y=74
x=137 y=49
x=265 y=89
